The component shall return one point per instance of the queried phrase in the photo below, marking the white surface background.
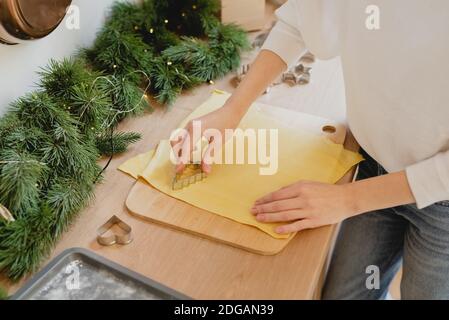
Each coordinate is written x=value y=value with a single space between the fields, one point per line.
x=19 y=63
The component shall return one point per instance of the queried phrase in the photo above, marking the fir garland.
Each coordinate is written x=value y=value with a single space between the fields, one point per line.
x=51 y=139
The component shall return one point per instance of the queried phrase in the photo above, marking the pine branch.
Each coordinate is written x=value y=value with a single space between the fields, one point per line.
x=13 y=135
x=185 y=17
x=168 y=80
x=119 y=144
x=66 y=198
x=126 y=17
x=228 y=42
x=123 y=54
x=24 y=243
x=71 y=157
x=127 y=99
x=20 y=174
x=39 y=110
x=91 y=106
x=59 y=78
x=198 y=58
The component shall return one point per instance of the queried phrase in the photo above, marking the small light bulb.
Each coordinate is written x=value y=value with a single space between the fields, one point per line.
x=166 y=21
x=169 y=63
x=151 y=30
x=194 y=7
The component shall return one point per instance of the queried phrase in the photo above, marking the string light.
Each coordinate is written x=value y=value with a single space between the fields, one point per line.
x=165 y=21
x=151 y=30
x=169 y=63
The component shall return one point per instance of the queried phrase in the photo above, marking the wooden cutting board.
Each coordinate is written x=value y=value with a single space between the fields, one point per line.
x=151 y=205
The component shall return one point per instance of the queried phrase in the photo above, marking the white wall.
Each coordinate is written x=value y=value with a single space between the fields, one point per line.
x=19 y=63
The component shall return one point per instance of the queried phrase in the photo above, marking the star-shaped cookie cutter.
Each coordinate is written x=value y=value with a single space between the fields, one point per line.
x=122 y=239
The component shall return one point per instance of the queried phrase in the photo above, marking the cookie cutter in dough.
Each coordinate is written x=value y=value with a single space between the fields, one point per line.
x=6 y=214
x=122 y=239
x=192 y=174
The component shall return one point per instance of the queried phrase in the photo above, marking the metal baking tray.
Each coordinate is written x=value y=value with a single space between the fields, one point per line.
x=80 y=274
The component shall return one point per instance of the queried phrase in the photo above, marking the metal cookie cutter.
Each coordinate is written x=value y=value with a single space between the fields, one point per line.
x=122 y=239
x=192 y=174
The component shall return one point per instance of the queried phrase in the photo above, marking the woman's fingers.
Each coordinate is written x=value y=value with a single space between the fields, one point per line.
x=213 y=150
x=177 y=142
x=284 y=216
x=277 y=206
x=284 y=193
x=206 y=164
x=295 y=227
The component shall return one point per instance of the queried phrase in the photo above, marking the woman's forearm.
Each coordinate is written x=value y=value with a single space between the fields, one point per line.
x=264 y=70
x=380 y=192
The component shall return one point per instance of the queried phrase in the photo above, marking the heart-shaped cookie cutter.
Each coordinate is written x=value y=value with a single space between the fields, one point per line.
x=122 y=239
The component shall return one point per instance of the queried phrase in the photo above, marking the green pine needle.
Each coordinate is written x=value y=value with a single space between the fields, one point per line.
x=122 y=54
x=91 y=106
x=39 y=110
x=20 y=174
x=119 y=144
x=25 y=242
x=66 y=198
x=59 y=78
x=127 y=99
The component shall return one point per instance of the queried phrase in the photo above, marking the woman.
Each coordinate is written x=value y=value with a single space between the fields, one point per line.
x=394 y=56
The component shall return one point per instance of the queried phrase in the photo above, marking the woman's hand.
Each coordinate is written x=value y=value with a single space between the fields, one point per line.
x=305 y=205
x=224 y=118
x=264 y=70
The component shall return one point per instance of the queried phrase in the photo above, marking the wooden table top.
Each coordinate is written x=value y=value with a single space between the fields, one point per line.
x=197 y=267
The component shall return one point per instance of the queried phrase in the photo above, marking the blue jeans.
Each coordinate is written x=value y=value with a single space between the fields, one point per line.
x=417 y=239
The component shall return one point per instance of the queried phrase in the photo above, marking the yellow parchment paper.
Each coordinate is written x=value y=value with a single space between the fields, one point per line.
x=231 y=189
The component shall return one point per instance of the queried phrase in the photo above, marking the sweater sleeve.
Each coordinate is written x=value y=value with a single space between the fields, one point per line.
x=285 y=39
x=429 y=180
